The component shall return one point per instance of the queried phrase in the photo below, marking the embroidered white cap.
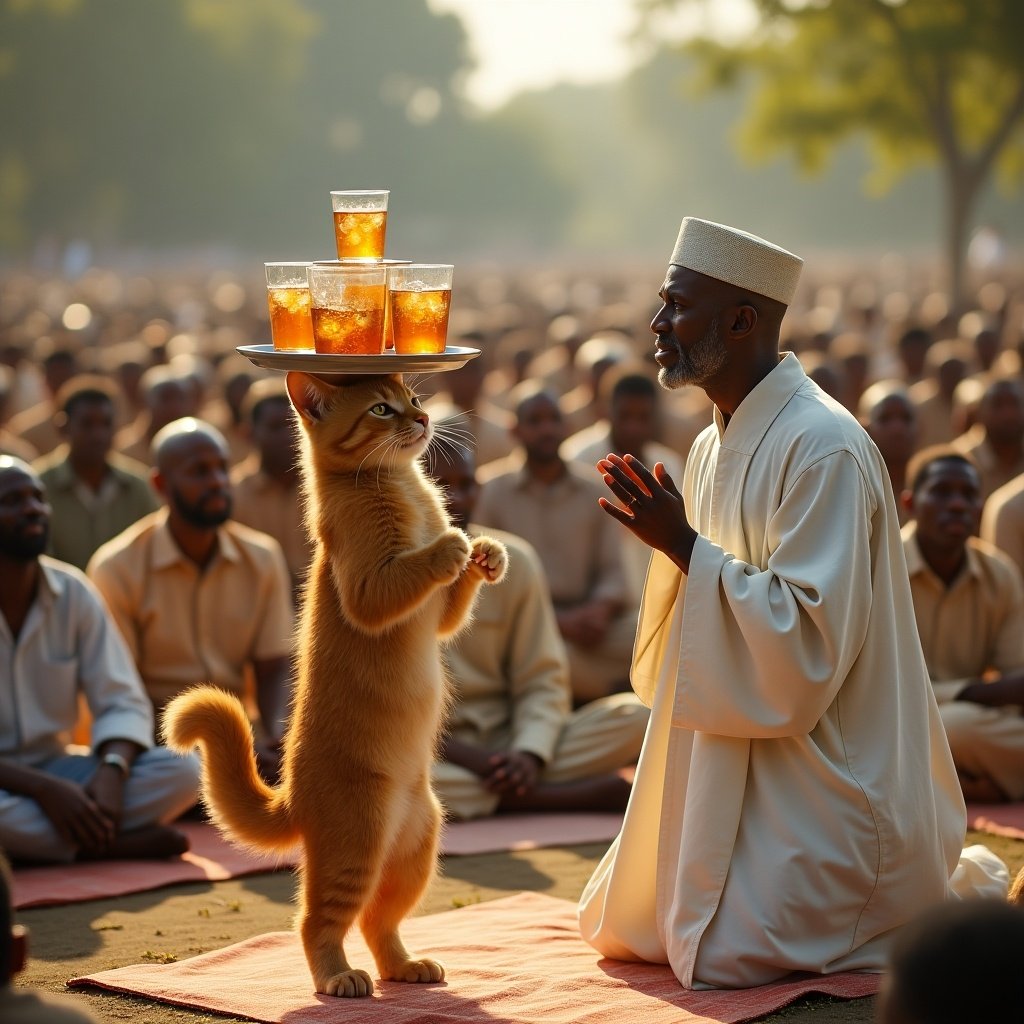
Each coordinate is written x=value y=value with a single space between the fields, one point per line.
x=737 y=258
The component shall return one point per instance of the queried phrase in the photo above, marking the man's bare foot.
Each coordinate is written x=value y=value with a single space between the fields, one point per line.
x=598 y=793
x=149 y=843
x=979 y=790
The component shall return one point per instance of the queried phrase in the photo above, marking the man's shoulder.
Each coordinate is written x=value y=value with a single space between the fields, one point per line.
x=996 y=564
x=68 y=582
x=260 y=547
x=1007 y=500
x=124 y=548
x=129 y=471
x=813 y=425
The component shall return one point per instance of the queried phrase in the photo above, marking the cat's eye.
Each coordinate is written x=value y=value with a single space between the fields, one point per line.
x=380 y=409
x=416 y=401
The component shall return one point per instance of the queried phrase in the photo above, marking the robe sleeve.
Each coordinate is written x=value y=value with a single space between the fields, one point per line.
x=765 y=652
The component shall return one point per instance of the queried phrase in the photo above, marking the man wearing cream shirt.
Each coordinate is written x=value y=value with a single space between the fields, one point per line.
x=795 y=802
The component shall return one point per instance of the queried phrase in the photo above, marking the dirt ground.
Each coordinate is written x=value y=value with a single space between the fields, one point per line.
x=184 y=920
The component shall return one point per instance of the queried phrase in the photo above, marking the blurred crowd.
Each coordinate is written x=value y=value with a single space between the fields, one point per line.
x=168 y=464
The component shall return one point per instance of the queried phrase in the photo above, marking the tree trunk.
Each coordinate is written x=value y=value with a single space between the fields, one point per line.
x=962 y=193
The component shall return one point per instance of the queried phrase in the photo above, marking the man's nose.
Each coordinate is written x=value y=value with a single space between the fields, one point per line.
x=659 y=325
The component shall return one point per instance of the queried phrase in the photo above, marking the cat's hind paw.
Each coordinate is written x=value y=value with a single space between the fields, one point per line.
x=490 y=558
x=419 y=971
x=348 y=985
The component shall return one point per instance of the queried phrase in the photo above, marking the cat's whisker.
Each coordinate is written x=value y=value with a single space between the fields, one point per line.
x=380 y=444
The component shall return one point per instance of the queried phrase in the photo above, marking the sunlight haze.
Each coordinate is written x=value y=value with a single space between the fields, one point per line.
x=533 y=44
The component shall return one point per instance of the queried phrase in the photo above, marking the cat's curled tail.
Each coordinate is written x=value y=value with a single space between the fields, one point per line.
x=240 y=802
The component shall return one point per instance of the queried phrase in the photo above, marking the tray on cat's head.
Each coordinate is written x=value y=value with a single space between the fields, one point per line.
x=388 y=362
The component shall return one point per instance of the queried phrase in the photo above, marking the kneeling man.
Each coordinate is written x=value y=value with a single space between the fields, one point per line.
x=795 y=803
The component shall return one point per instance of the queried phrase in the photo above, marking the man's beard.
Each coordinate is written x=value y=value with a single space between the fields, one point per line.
x=24 y=549
x=699 y=364
x=196 y=514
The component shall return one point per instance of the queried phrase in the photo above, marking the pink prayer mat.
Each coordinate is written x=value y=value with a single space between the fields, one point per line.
x=213 y=859
x=997 y=819
x=515 y=959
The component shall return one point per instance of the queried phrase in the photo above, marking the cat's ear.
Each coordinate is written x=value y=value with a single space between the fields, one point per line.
x=310 y=396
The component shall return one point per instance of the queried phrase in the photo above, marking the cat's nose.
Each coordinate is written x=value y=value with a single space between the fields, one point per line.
x=423 y=420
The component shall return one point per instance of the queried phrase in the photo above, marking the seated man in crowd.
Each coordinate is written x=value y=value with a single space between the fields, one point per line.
x=888 y=415
x=1002 y=522
x=969 y=606
x=57 y=642
x=166 y=397
x=36 y=426
x=996 y=442
x=512 y=742
x=552 y=504
x=267 y=485
x=94 y=493
x=958 y=961
x=201 y=599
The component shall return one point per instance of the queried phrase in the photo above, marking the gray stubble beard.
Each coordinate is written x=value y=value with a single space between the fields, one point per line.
x=697 y=366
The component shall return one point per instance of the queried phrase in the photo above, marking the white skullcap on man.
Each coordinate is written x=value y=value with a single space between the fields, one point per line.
x=738 y=258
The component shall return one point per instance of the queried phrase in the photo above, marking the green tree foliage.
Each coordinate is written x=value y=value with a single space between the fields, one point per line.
x=926 y=81
x=189 y=122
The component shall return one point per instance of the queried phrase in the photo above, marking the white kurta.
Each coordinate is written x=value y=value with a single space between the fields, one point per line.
x=795 y=801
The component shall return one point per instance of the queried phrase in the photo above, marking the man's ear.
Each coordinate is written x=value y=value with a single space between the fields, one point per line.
x=907 y=501
x=743 y=319
x=157 y=482
x=60 y=421
x=309 y=395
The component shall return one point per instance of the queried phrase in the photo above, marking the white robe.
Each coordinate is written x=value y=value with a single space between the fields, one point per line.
x=795 y=801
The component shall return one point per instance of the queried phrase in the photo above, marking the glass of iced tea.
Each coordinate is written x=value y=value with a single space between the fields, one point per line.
x=360 y=223
x=420 y=296
x=291 y=327
x=347 y=304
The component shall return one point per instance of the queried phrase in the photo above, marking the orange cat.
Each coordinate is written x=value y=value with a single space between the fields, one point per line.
x=390 y=576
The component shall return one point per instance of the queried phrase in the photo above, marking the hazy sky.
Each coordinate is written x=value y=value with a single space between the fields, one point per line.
x=524 y=44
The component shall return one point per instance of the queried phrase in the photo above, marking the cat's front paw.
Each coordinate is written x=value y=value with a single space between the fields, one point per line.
x=489 y=558
x=416 y=971
x=451 y=552
x=350 y=984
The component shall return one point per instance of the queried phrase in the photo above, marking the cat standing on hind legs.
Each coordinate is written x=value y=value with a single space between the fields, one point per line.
x=390 y=580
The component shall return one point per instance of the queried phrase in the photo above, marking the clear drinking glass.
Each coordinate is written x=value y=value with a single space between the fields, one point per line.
x=348 y=302
x=291 y=327
x=360 y=223
x=420 y=297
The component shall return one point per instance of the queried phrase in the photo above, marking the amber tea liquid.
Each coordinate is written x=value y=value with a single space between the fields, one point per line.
x=359 y=234
x=419 y=320
x=348 y=331
x=291 y=327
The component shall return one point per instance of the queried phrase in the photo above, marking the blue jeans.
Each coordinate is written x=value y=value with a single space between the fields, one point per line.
x=162 y=785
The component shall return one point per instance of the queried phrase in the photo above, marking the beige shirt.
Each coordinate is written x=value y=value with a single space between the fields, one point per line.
x=82 y=519
x=795 y=801
x=1002 y=522
x=67 y=646
x=578 y=543
x=508 y=668
x=187 y=625
x=263 y=503
x=36 y=427
x=993 y=474
x=973 y=626
x=934 y=414
x=11 y=444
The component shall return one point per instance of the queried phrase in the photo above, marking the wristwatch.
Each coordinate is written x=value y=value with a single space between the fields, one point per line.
x=118 y=761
